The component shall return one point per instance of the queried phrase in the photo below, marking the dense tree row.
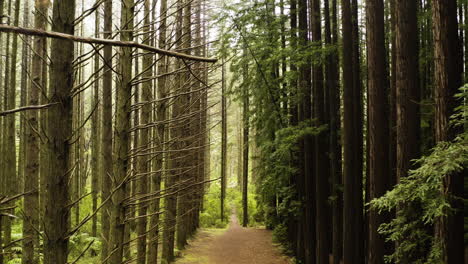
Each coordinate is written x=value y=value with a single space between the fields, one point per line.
x=350 y=122
x=343 y=97
x=106 y=135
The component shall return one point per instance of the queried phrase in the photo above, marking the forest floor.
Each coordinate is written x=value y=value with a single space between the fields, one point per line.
x=234 y=245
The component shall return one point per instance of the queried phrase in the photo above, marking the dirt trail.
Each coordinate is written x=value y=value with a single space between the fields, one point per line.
x=236 y=245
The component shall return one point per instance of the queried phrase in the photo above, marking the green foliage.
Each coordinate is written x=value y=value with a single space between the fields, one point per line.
x=254 y=212
x=419 y=200
x=79 y=242
x=14 y=261
x=280 y=236
x=252 y=42
x=211 y=214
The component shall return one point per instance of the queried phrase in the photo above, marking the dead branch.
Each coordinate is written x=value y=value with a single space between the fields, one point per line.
x=25 y=108
x=110 y=42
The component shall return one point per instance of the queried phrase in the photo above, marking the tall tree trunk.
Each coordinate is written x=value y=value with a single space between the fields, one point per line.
x=95 y=136
x=223 y=140
x=306 y=184
x=353 y=212
x=59 y=131
x=294 y=224
x=407 y=85
x=2 y=137
x=392 y=114
x=173 y=158
x=161 y=108
x=106 y=138
x=465 y=14
x=378 y=132
x=407 y=90
x=321 y=163
x=205 y=140
x=239 y=148
x=448 y=72
x=25 y=59
x=183 y=204
x=9 y=135
x=11 y=174
x=144 y=160
x=122 y=142
x=199 y=108
x=43 y=99
x=245 y=146
x=332 y=78
x=31 y=200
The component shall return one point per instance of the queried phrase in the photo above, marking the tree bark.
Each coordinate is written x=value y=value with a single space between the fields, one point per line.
x=31 y=201
x=9 y=126
x=378 y=132
x=144 y=161
x=223 y=141
x=174 y=161
x=245 y=146
x=307 y=183
x=25 y=59
x=59 y=131
x=122 y=142
x=95 y=134
x=353 y=212
x=183 y=199
x=321 y=163
x=106 y=139
x=448 y=73
x=161 y=109
x=407 y=92
x=332 y=75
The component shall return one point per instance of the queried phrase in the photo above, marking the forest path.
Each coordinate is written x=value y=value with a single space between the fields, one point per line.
x=236 y=245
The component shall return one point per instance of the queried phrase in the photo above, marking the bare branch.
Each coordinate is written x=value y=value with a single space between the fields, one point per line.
x=26 y=108
x=118 y=43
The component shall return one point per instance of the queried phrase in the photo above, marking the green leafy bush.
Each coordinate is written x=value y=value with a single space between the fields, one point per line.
x=211 y=214
x=419 y=201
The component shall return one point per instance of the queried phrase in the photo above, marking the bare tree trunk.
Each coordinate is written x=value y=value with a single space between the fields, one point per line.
x=144 y=161
x=2 y=137
x=245 y=146
x=9 y=142
x=174 y=160
x=223 y=141
x=332 y=78
x=306 y=182
x=407 y=85
x=294 y=223
x=407 y=91
x=160 y=135
x=392 y=115
x=95 y=133
x=43 y=98
x=11 y=180
x=25 y=59
x=59 y=131
x=106 y=137
x=353 y=213
x=31 y=201
x=239 y=149
x=378 y=132
x=199 y=128
x=321 y=163
x=183 y=203
x=122 y=126
x=448 y=72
